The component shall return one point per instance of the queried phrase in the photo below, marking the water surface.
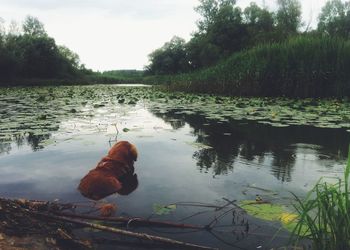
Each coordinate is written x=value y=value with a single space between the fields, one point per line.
x=191 y=149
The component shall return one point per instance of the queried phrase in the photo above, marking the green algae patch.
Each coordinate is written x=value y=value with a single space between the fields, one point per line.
x=271 y=212
x=162 y=210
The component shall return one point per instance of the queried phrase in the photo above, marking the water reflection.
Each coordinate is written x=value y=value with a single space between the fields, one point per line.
x=257 y=144
x=86 y=111
x=5 y=147
x=30 y=139
x=245 y=158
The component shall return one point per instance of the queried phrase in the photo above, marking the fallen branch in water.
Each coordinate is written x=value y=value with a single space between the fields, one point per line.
x=129 y=221
x=141 y=236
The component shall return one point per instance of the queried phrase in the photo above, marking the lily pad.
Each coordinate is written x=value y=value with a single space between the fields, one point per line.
x=271 y=212
x=162 y=210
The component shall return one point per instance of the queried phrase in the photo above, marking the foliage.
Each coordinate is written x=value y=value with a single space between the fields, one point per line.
x=304 y=66
x=209 y=9
x=33 y=27
x=162 y=210
x=29 y=53
x=325 y=214
x=260 y=24
x=271 y=212
x=132 y=73
x=288 y=16
x=334 y=19
x=262 y=53
x=225 y=29
x=46 y=108
x=169 y=59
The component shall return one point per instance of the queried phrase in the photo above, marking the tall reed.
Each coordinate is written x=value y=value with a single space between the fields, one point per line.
x=305 y=66
x=324 y=216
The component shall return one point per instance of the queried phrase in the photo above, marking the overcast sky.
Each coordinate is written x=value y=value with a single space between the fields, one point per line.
x=119 y=34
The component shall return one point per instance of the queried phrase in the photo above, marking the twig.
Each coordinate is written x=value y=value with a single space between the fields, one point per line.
x=256 y=203
x=137 y=221
x=132 y=245
x=231 y=203
x=188 y=204
x=141 y=236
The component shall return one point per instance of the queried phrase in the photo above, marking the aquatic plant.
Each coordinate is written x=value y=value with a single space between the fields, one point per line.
x=304 y=66
x=83 y=109
x=325 y=214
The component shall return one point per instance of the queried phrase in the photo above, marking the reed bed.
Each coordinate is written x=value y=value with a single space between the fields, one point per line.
x=304 y=66
x=324 y=215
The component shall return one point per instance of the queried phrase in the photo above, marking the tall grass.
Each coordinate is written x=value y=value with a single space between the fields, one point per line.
x=305 y=66
x=324 y=216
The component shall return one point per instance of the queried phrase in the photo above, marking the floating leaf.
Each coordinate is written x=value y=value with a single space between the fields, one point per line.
x=162 y=210
x=271 y=212
x=199 y=145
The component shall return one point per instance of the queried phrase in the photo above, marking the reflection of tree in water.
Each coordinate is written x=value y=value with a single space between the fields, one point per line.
x=250 y=142
x=174 y=122
x=34 y=140
x=31 y=139
x=5 y=147
x=282 y=165
x=208 y=159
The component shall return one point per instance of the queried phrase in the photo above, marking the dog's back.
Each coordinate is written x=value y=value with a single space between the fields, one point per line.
x=96 y=185
x=104 y=179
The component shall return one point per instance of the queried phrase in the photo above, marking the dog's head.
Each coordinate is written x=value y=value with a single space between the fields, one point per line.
x=129 y=184
x=123 y=151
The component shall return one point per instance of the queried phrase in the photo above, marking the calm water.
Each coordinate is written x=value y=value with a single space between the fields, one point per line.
x=50 y=140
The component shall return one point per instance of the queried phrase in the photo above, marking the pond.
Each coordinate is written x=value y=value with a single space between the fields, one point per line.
x=193 y=149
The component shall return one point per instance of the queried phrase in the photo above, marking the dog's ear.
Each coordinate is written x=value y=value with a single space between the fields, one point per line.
x=133 y=152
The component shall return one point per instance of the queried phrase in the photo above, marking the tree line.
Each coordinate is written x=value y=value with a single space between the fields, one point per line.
x=27 y=52
x=225 y=29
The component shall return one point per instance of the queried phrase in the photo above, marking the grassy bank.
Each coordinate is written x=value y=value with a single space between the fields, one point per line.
x=83 y=80
x=304 y=66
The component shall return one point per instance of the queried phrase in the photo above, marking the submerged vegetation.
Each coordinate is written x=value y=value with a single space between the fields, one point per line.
x=324 y=214
x=257 y=52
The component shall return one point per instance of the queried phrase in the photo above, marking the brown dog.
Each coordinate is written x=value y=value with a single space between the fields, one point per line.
x=113 y=174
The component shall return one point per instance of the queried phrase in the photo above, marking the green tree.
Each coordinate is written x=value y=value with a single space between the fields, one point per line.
x=288 y=16
x=2 y=28
x=208 y=9
x=171 y=58
x=31 y=53
x=227 y=30
x=14 y=29
x=33 y=27
x=260 y=23
x=334 y=19
x=70 y=56
x=201 y=52
x=221 y=32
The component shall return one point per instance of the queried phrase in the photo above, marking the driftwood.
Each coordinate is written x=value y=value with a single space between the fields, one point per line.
x=17 y=222
x=132 y=221
x=141 y=236
x=52 y=220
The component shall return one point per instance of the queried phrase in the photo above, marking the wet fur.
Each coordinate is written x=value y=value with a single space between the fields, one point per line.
x=113 y=174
